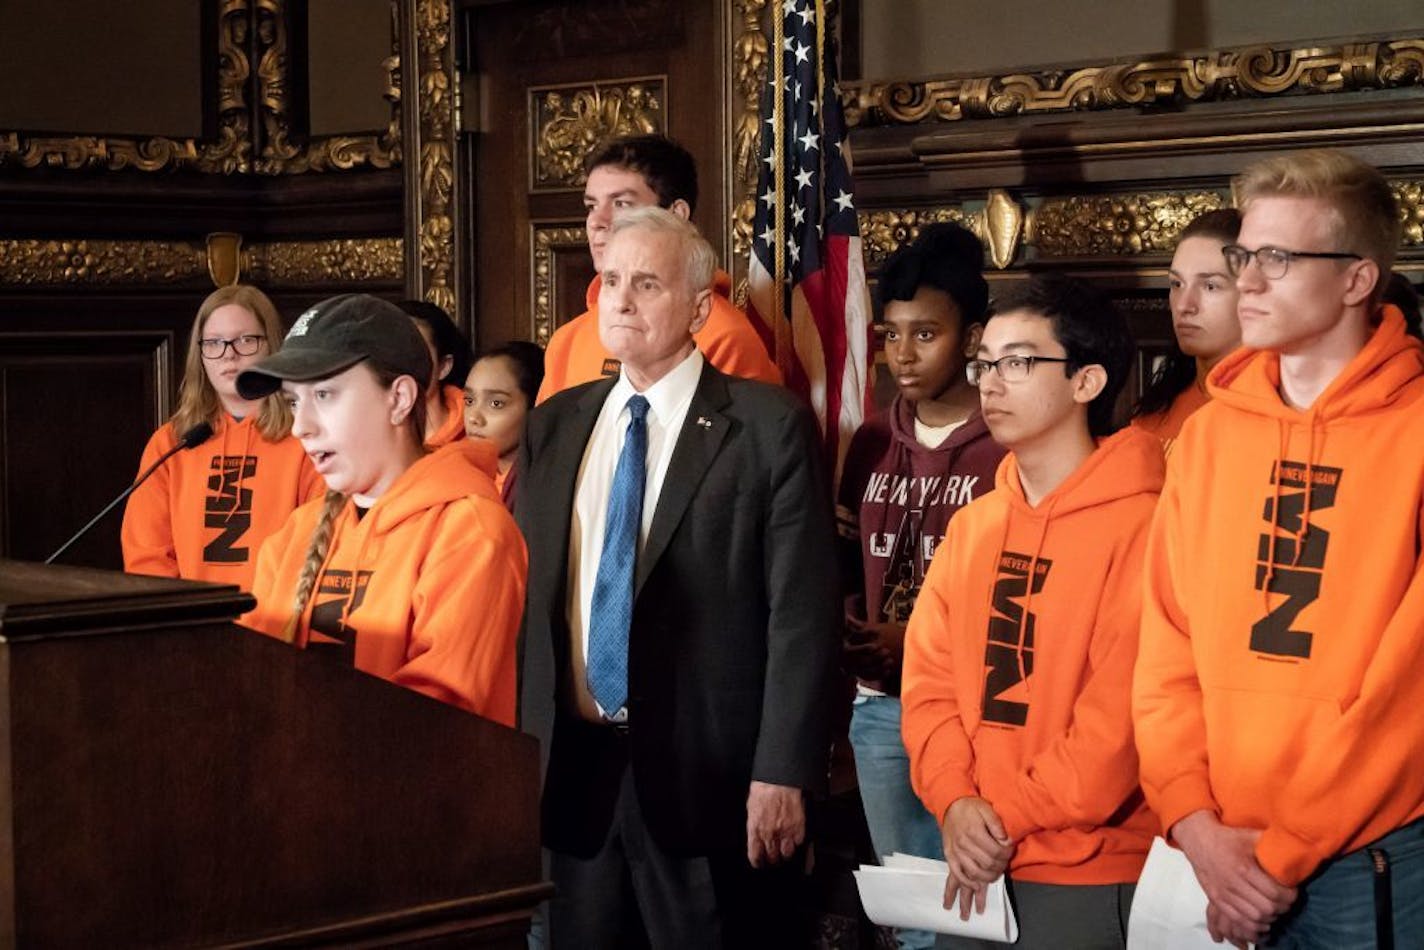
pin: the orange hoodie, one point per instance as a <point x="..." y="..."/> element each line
<point x="206" y="511"/>
<point x="1019" y="693"/>
<point x="575" y="353"/>
<point x="1279" y="678"/>
<point x="1167" y="424"/>
<point x="439" y="571"/>
<point x="454" y="428"/>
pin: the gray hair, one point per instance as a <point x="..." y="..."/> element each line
<point x="699" y="260"/>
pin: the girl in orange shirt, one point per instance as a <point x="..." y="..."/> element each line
<point x="501" y="389"/>
<point x="204" y="513"/>
<point x="1203" y="300"/>
<point x="410" y="569"/>
<point x="450" y="354"/>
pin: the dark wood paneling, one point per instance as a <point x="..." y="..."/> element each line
<point x="79" y="405"/>
<point x="518" y="45"/>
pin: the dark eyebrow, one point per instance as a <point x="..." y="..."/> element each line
<point x="1017" y="345"/>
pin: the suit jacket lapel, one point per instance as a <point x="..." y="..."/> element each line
<point x="701" y="437"/>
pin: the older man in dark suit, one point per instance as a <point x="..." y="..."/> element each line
<point x="681" y="627"/>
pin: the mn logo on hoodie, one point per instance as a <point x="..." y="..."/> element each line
<point x="1294" y="563"/>
<point x="329" y="633"/>
<point x="1008" y="656"/>
<point x="228" y="508"/>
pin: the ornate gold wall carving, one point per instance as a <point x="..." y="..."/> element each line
<point x="436" y="91"/>
<point x="569" y="122"/>
<point x="1115" y="225"/>
<point x="1410" y="195"/>
<point x="340" y="261"/>
<point x="999" y="224"/>
<point x="749" y="46"/>
<point x="27" y="262"/>
<point x="281" y="156"/>
<point x="230" y="152"/>
<point x="544" y="242"/>
<point x="1249" y="72"/>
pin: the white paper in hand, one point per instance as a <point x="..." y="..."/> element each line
<point x="1169" y="908"/>
<point x="908" y="892"/>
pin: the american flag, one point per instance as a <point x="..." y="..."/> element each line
<point x="806" y="286"/>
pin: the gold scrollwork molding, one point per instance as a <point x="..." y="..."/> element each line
<point x="1115" y="225"/>
<point x="568" y="122"/>
<point x="39" y="263"/>
<point x="1249" y="72"/>
<point x="279" y="154"/>
<point x="338" y="261"/>
<point x="430" y="185"/>
<point x="1410" y="195"/>
<point x="230" y="152"/>
<point x="749" y="49"/>
<point x="545" y="242"/>
<point x="999" y="224"/>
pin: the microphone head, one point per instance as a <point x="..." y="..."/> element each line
<point x="196" y="436"/>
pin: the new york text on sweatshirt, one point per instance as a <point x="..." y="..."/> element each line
<point x="897" y="496"/>
<point x="1278" y="683"/>
<point x="204" y="514"/>
<point x="426" y="589"/>
<point x="1018" y="662"/>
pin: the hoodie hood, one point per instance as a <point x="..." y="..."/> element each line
<point x="1378" y="375"/>
<point x="466" y="467"/>
<point x="721" y="286"/>
<point x="902" y="429"/>
<point x="1128" y="462"/>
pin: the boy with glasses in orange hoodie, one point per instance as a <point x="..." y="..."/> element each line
<point x="1019" y="653"/>
<point x="1277" y="697"/>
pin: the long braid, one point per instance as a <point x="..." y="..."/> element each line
<point x="316" y="554"/>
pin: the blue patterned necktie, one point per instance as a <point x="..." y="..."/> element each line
<point x="612" y="610"/>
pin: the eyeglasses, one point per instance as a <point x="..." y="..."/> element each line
<point x="1011" y="369"/>
<point x="1274" y="261"/>
<point x="245" y="345"/>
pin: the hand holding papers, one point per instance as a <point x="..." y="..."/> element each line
<point x="908" y="892"/>
<point x="1169" y="908"/>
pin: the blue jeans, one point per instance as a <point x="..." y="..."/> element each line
<point x="897" y="820"/>
<point x="1336" y="907"/>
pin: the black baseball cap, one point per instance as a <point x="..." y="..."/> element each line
<point x="334" y="336"/>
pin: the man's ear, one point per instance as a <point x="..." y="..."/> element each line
<point x="682" y="209"/>
<point x="702" y="309"/>
<point x="1088" y="382"/>
<point x="402" y="398"/>
<point x="1364" y="275"/>
<point x="972" y="335"/>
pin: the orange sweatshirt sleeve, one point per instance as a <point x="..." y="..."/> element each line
<point x="1085" y="775"/>
<point x="731" y="344"/>
<point x="556" y="359"/>
<point x="941" y="758"/>
<point x="467" y="605"/>
<point x="274" y="578"/>
<point x="1167" y="712"/>
<point x="147" y="532"/>
<point x="1360" y="778"/>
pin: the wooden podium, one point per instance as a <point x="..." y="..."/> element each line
<point x="170" y="779"/>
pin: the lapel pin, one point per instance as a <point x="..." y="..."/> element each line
<point x="704" y="422"/>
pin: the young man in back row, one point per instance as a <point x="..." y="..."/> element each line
<point x="1278" y="693"/>
<point x="628" y="173"/>
<point x="1019" y="652"/>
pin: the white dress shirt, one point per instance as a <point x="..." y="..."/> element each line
<point x="668" y="400"/>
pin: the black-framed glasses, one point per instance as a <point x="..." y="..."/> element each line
<point x="1011" y="369"/>
<point x="245" y="345"/>
<point x="1274" y="261"/>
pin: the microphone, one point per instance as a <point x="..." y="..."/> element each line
<point x="194" y="437"/>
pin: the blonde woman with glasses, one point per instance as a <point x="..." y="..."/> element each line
<point x="205" y="512"/>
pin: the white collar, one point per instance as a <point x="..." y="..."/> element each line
<point x="668" y="394"/>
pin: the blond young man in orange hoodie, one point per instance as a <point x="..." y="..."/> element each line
<point x="1019" y="652"/>
<point x="1278" y="696"/>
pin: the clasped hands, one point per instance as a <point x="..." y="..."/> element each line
<point x="1243" y="899"/>
<point x="977" y="850"/>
